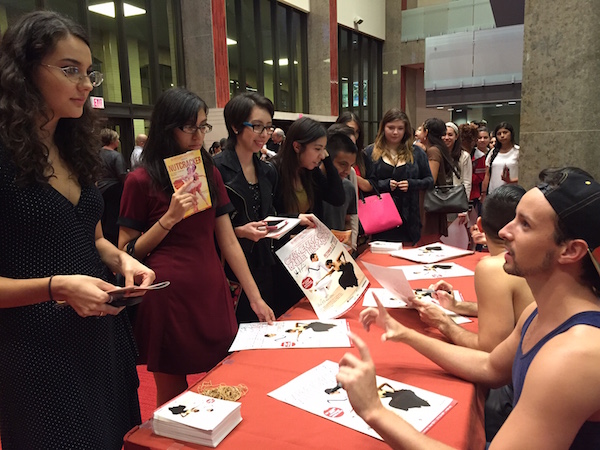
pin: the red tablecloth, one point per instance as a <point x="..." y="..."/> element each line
<point x="271" y="424"/>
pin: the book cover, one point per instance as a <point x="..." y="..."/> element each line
<point x="324" y="270"/>
<point x="197" y="418"/>
<point x="190" y="167"/>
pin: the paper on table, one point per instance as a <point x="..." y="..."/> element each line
<point x="431" y="253"/>
<point x="458" y="236"/>
<point x="292" y="334"/>
<point x="433" y="271"/>
<point x="393" y="280"/>
<point x="417" y="406"/>
<point x="389" y="301"/>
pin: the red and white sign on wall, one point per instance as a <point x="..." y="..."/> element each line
<point x="97" y="102"/>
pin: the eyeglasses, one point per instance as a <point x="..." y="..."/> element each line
<point x="73" y="74"/>
<point x="193" y="129"/>
<point x="258" y="129"/>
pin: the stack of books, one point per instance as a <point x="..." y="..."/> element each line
<point x="196" y="418"/>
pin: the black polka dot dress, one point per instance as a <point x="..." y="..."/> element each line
<point x="66" y="382"/>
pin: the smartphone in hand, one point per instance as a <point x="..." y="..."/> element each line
<point x="132" y="295"/>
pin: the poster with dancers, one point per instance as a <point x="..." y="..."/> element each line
<point x="324" y="270"/>
<point x="317" y="392"/>
<point x="292" y="334"/>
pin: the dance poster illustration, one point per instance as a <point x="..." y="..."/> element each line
<point x="431" y="253"/>
<point x="292" y="334"/>
<point x="189" y="167"/>
<point x="433" y="271"/>
<point x="324" y="270"/>
<point x="317" y="392"/>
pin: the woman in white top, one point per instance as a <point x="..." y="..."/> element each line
<point x="502" y="163"/>
<point x="461" y="159"/>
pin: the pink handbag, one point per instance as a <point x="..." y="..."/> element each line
<point x="378" y="213"/>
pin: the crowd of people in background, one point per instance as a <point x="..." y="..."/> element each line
<point x="78" y="216"/>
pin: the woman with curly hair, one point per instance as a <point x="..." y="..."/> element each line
<point x="68" y="372"/>
<point x="395" y="165"/>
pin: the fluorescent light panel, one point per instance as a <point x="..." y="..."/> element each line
<point x="108" y="9"/>
<point x="282" y="62"/>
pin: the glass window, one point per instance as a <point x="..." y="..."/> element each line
<point x="103" y="37"/>
<point x="138" y="52"/>
<point x="70" y="8"/>
<point x="284" y="101"/>
<point x="359" y="61"/>
<point x="271" y="57"/>
<point x="233" y="44"/>
<point x="267" y="49"/>
<point x="11" y="11"/>
<point x="249" y="47"/>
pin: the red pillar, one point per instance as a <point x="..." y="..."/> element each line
<point x="219" y="26"/>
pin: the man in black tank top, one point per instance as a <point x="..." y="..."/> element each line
<point x="552" y="355"/>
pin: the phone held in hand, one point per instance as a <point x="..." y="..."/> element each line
<point x="132" y="295"/>
<point x="273" y="225"/>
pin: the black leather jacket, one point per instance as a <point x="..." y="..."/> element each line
<point x="257" y="253"/>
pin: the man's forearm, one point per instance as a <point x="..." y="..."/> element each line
<point x="467" y="363"/>
<point x="398" y="434"/>
<point x="458" y="335"/>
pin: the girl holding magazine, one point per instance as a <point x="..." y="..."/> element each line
<point x="188" y="327"/>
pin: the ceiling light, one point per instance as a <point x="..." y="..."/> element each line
<point x="498" y="105"/>
<point x="450" y="109"/>
<point x="231" y="42"/>
<point x="108" y="9"/>
<point x="512" y="103"/>
<point x="282" y="62"/>
<point x="440" y="107"/>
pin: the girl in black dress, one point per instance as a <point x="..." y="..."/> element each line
<point x="68" y="372"/>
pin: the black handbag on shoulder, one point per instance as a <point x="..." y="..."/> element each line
<point x="446" y="199"/>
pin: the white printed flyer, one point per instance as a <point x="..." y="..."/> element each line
<point x="316" y="391"/>
<point x="324" y="270"/>
<point x="431" y="253"/>
<point x="292" y="334"/>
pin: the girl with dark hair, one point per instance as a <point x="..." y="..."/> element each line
<point x="215" y="148"/>
<point x="194" y="315"/>
<point x="436" y="224"/>
<point x="301" y="189"/>
<point x="395" y="165"/>
<point x="502" y="162"/>
<point x="250" y="184"/>
<point x="350" y="119"/>
<point x="302" y="184"/>
<point x="478" y="153"/>
<point x="459" y="145"/>
<point x="57" y="330"/>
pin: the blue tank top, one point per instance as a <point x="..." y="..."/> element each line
<point x="588" y="436"/>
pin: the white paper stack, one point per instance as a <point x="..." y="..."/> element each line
<point x="384" y="246"/>
<point x="196" y="418"/>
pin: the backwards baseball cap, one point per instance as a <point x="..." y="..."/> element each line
<point x="576" y="201"/>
